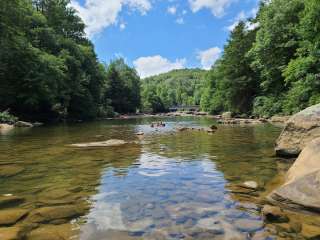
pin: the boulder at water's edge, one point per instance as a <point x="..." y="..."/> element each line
<point x="301" y="189"/>
<point x="300" y="129"/>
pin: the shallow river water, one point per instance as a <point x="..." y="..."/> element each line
<point x="163" y="185"/>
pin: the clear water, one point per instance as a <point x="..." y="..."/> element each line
<point x="164" y="185"/>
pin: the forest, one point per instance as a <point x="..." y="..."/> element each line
<point x="272" y="68"/>
<point x="49" y="70"/>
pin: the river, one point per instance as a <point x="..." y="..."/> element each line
<point x="163" y="185"/>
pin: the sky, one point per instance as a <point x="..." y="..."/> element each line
<point x="156" y="36"/>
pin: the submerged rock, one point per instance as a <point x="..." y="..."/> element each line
<point x="10" y="201"/>
<point x="300" y="129"/>
<point x="10" y="170"/>
<point x="302" y="186"/>
<point x="274" y="214"/>
<point x="212" y="224"/>
<point x="108" y="143"/>
<point x="50" y="214"/>
<point x="248" y="225"/>
<point x="12" y="233"/>
<point x="11" y="216"/>
<point x="53" y="232"/>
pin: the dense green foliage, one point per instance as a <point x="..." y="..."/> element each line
<point x="272" y="69"/>
<point x="6" y="117"/>
<point x="176" y="88"/>
<point x="48" y="68"/>
<point x="124" y="87"/>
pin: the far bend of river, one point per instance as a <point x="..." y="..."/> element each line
<point x="166" y="185"/>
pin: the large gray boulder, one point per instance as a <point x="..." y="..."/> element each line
<point x="300" y="129"/>
<point x="301" y="189"/>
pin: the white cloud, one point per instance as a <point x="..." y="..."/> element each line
<point x="99" y="14"/>
<point x="217" y="7"/>
<point x="243" y="16"/>
<point x="240" y="17"/>
<point x="251" y="26"/>
<point x="122" y="26"/>
<point x="153" y="65"/>
<point x="172" y="10"/>
<point x="209" y="57"/>
<point x="180" y="20"/>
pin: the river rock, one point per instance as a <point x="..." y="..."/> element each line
<point x="10" y="170"/>
<point x="108" y="143"/>
<point x="53" y="232"/>
<point x="226" y="115"/>
<point x="37" y="124"/>
<point x="279" y="119"/>
<point x="10" y="201"/>
<point x="300" y="129"/>
<point x="12" y="233"/>
<point x="250" y="184"/>
<point x="247" y="225"/>
<point x="310" y="231"/>
<point x="4" y="128"/>
<point x="213" y="127"/>
<point x="212" y="224"/>
<point x="23" y="124"/>
<point x="302" y="193"/>
<point x="50" y="214"/>
<point x="302" y="186"/>
<point x="307" y="162"/>
<point x="274" y="214"/>
<point x="11" y="216"/>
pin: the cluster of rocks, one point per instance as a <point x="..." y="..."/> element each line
<point x="210" y="129"/>
<point x="301" y="188"/>
<point x="185" y="114"/>
<point x="49" y="220"/>
<point x="242" y="121"/>
<point x="4" y="127"/>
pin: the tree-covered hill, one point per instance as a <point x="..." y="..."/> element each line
<point x="177" y="87"/>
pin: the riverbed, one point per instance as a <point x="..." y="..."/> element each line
<point x="165" y="184"/>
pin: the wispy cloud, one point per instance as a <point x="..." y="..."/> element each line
<point x="208" y="57"/>
<point x="153" y="65"/>
<point x="100" y="14"/>
<point x="217" y="7"/>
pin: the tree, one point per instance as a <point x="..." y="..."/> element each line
<point x="124" y="87"/>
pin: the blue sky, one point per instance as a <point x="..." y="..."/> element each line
<point x="156" y="36"/>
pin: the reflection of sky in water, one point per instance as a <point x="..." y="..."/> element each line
<point x="157" y="193"/>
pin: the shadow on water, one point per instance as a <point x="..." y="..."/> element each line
<point x="171" y="185"/>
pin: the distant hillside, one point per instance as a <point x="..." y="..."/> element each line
<point x="177" y="87"/>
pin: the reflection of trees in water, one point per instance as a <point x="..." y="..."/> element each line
<point x="241" y="153"/>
